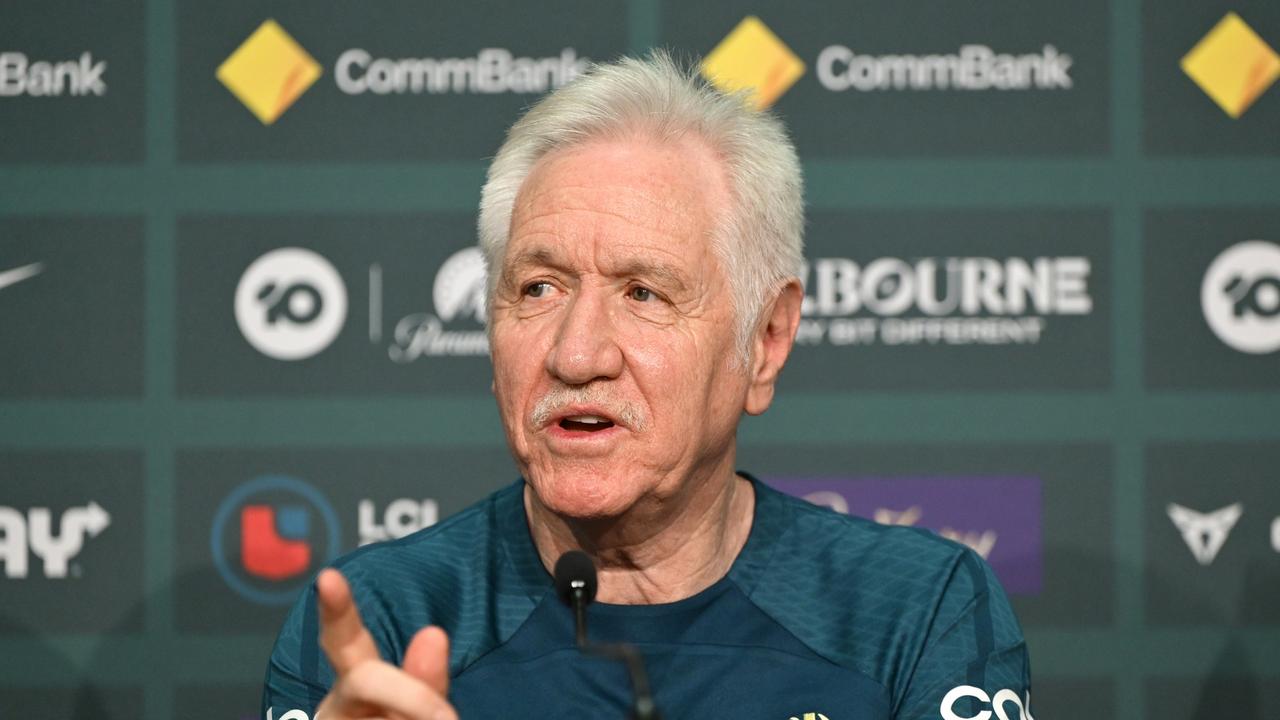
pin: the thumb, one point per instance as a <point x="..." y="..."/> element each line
<point x="343" y="636"/>
<point x="428" y="658"/>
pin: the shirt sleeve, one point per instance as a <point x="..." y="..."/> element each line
<point x="974" y="662"/>
<point x="298" y="675"/>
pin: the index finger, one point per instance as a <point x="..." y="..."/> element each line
<point x="343" y="636"/>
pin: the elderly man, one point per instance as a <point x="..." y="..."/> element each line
<point x="643" y="236"/>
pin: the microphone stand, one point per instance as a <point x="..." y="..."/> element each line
<point x="643" y="706"/>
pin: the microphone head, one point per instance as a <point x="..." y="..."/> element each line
<point x="574" y="569"/>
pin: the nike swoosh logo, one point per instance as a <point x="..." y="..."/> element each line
<point x="18" y="274"/>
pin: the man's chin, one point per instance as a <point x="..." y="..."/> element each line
<point x="585" y="498"/>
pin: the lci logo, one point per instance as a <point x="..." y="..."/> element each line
<point x="999" y="517"/>
<point x="270" y="535"/>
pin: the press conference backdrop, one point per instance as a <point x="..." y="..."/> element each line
<point x="241" y="317"/>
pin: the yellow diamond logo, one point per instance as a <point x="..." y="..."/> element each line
<point x="269" y="71"/>
<point x="1232" y="65"/>
<point x="752" y="58"/>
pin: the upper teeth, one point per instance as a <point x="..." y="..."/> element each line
<point x="589" y="419"/>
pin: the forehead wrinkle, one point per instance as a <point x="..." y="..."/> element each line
<point x="650" y="207"/>
<point x="651" y="219"/>
<point x="543" y="235"/>
<point x="555" y="217"/>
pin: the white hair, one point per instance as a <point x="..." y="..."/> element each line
<point x="760" y="242"/>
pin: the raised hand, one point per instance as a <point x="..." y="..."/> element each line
<point x="366" y="686"/>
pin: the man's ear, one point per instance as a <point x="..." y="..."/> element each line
<point x="771" y="344"/>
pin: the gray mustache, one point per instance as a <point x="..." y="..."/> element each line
<point x="557" y="400"/>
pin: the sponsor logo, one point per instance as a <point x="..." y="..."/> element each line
<point x="21" y="76"/>
<point x="270" y="535"/>
<point x="490" y="72"/>
<point x="34" y="534"/>
<point x="997" y="704"/>
<point x="289" y="715"/>
<point x="809" y="716"/>
<point x="269" y="72"/>
<point x="290" y="303"/>
<point x="940" y="300"/>
<point x="754" y="60"/>
<point x="18" y="274"/>
<point x="267" y="545"/>
<point x="980" y="541"/>
<point x="1240" y="297"/>
<point x="973" y="68"/>
<point x="1204" y="533"/>
<point x="401" y="517"/>
<point x="458" y="295"/>
<point x="56" y="281"/>
<point x="1232" y="65"/>
<point x="998" y="517"/>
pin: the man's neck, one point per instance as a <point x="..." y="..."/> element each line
<point x="653" y="554"/>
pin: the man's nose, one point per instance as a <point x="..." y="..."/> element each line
<point x="586" y="347"/>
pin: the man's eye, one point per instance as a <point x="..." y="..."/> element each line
<point x="537" y="289"/>
<point x="640" y="294"/>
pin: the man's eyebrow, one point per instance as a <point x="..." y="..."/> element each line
<point x="535" y="257"/>
<point x="542" y="257"/>
<point x="665" y="275"/>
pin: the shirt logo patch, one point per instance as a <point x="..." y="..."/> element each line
<point x="996" y="704"/>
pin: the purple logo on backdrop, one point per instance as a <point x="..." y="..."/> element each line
<point x="999" y="517"/>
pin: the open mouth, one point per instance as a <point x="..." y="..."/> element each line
<point x="586" y="423"/>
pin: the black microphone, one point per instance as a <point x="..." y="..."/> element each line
<point x="576" y="584"/>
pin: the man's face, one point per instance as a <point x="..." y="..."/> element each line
<point x="613" y="327"/>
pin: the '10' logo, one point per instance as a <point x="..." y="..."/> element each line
<point x="1240" y="297"/>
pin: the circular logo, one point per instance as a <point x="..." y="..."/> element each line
<point x="290" y="303"/>
<point x="1240" y="296"/>
<point x="270" y="535"/>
